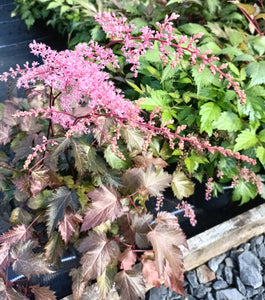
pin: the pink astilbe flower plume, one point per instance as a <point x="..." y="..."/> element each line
<point x="76" y="78"/>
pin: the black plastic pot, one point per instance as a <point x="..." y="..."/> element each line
<point x="215" y="203"/>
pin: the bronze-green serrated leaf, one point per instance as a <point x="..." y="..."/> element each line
<point x="27" y="262"/>
<point x="78" y="286"/>
<point x="54" y="248"/>
<point x="105" y="206"/>
<point x="99" y="252"/>
<point x="60" y="200"/>
<point x="130" y="285"/>
<point x="166" y="238"/>
<point x="106" y="280"/>
<point x="20" y="216"/>
<point x="42" y="292"/>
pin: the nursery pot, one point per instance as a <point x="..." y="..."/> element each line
<point x="220" y="202"/>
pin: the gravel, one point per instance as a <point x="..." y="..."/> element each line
<point x="239" y="275"/>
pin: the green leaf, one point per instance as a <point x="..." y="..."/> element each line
<point x="260" y="152"/>
<point x="135" y="87"/>
<point x="40" y="201"/>
<point x="258" y="43"/>
<point x="193" y="28"/>
<point x="114" y="161"/>
<point x="244" y="191"/>
<point x="228" y="166"/>
<point x="228" y="121"/>
<point x="173" y="1"/>
<point x="255" y="105"/>
<point x="244" y="57"/>
<point x="209" y="112"/>
<point x="235" y="37"/>
<point x="154" y="72"/>
<point x="181" y="185"/>
<point x="54" y="248"/>
<point x="190" y="164"/>
<point x="84" y="155"/>
<point x="261" y="135"/>
<point x="106" y="280"/>
<point x="53" y="5"/>
<point x="60" y="200"/>
<point x="20" y="216"/>
<point x="233" y="68"/>
<point x="246" y="139"/>
<point x="138" y="23"/>
<point x="158" y="98"/>
<point x="213" y="5"/>
<point x="256" y="70"/>
<point x="204" y="78"/>
<point x="168" y="72"/>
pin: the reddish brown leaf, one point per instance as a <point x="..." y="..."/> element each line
<point x="5" y="136"/>
<point x="135" y="228"/>
<point x="143" y="161"/>
<point x="127" y="259"/>
<point x="28" y="263"/>
<point x="149" y="269"/>
<point x="15" y="235"/>
<point x="155" y="181"/>
<point x="151" y="182"/>
<point x="98" y="253"/>
<point x="29" y="124"/>
<point x="130" y="285"/>
<point x="69" y="225"/>
<point x="105" y="206"/>
<point x="42" y="292"/>
<point x="4" y="256"/>
<point x="166" y="239"/>
<point x="78" y="286"/>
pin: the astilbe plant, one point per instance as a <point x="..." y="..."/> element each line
<point x="80" y="159"/>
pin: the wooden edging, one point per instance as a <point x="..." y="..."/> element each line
<point x="224" y="237"/>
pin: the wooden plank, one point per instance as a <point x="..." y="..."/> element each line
<point x="223" y="237"/>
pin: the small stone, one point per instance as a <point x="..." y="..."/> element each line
<point x="209" y="296"/>
<point x="219" y="272"/>
<point x="252" y="292"/>
<point x="216" y="261"/>
<point x="204" y="274"/>
<point x="240" y="286"/>
<point x="192" y="278"/>
<point x="246" y="246"/>
<point x="261" y="251"/>
<point x="257" y="240"/>
<point x="228" y="275"/>
<point x="229" y="262"/>
<point x="190" y="297"/>
<point x="250" y="269"/>
<point x="235" y="253"/>
<point x="220" y="284"/>
<point x="229" y="294"/>
<point x="201" y="291"/>
<point x="158" y="293"/>
<point x="258" y="297"/>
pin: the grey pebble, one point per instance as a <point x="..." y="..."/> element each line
<point x="250" y="269"/>
<point x="214" y="263"/>
<point x="220" y="284"/>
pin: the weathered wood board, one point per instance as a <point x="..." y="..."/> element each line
<point x="224" y="236"/>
